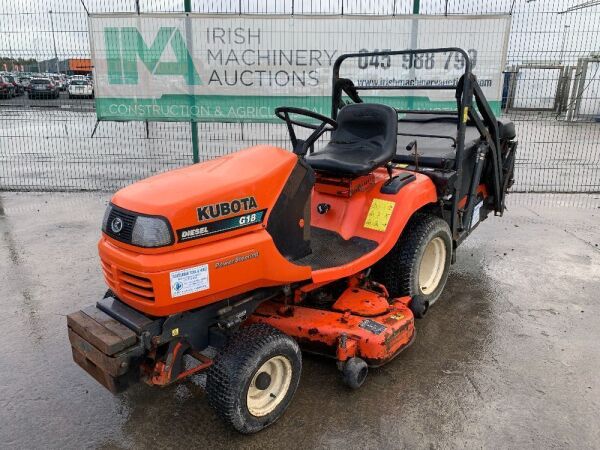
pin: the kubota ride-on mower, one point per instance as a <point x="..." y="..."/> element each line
<point x="234" y="265"/>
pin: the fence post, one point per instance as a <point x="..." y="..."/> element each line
<point x="414" y="30"/>
<point x="187" y="5"/>
<point x="416" y="6"/>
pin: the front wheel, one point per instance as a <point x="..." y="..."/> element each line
<point x="254" y="377"/>
<point x="418" y="264"/>
<point x="354" y="372"/>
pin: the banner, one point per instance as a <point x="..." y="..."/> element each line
<point x="226" y="68"/>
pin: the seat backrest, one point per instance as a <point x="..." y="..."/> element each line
<point x="368" y="123"/>
<point x="365" y="138"/>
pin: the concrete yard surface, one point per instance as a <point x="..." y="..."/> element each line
<point x="509" y="357"/>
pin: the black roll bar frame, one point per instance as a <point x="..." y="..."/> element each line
<point x="471" y="105"/>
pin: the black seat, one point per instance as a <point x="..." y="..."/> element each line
<point x="364" y="140"/>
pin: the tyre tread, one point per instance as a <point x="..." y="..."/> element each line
<point x="395" y="270"/>
<point x="226" y="374"/>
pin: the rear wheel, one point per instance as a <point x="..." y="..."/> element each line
<point x="254" y="377"/>
<point x="418" y="264"/>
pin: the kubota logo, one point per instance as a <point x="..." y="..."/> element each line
<point x="125" y="45"/>
<point x="116" y="225"/>
<point x="224" y="209"/>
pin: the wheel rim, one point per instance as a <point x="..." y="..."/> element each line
<point x="432" y="266"/>
<point x="269" y="386"/>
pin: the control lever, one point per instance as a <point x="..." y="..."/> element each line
<point x="390" y="172"/>
<point x="413" y="146"/>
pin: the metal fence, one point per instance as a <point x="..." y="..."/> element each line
<point x="551" y="92"/>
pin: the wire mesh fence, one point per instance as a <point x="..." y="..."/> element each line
<point x="551" y="91"/>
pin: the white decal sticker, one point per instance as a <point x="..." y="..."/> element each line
<point x="188" y="281"/>
<point x="476" y="214"/>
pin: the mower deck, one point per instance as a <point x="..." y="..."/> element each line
<point x="344" y="335"/>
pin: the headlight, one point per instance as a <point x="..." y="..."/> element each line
<point x="151" y="232"/>
<point x="105" y="218"/>
<point x="131" y="228"/>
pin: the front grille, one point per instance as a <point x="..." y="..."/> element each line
<point x="128" y="220"/>
<point x="127" y="285"/>
<point x="136" y="287"/>
<point x="108" y="275"/>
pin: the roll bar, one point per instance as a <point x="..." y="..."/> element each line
<point x="471" y="105"/>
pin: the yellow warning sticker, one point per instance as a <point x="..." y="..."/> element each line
<point x="379" y="214"/>
<point x="466" y="114"/>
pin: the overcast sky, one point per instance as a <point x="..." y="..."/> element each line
<point x="538" y="32"/>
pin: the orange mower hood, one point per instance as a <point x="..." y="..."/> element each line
<point x="253" y="177"/>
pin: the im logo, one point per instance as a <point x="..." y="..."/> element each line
<point x="125" y="45"/>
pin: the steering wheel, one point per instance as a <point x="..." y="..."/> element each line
<point x="302" y="146"/>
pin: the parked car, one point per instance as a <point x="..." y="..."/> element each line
<point x="25" y="82"/>
<point x="43" y="87"/>
<point x="7" y="89"/>
<point x="59" y="82"/>
<point x="81" y="88"/>
<point x="77" y="77"/>
<point x="19" y="89"/>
